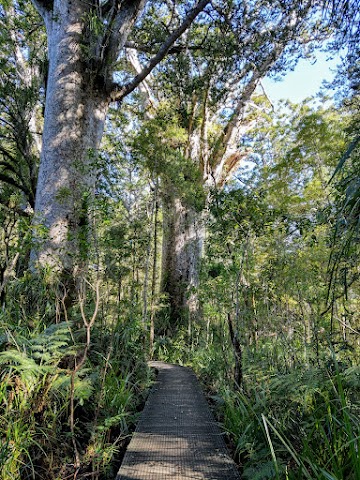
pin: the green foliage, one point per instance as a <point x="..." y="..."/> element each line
<point x="40" y="346"/>
<point x="296" y="415"/>
<point x="346" y="232"/>
<point x="162" y="145"/>
<point x="19" y="101"/>
<point x="311" y="424"/>
<point x="31" y="396"/>
<point x="70" y="395"/>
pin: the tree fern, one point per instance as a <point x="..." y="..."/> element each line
<point x="18" y="363"/>
<point x="51" y="345"/>
<point x="83" y="387"/>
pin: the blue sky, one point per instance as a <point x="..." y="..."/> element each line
<point x="303" y="82"/>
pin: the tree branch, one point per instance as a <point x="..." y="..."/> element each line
<point x="228" y="167"/>
<point x="10" y="181"/>
<point x="107" y="7"/>
<point x="118" y="94"/>
<point x="119" y="27"/>
<point x="151" y="49"/>
<point x="44" y="7"/>
<point x="219" y="152"/>
<point x="10" y="157"/>
<point x="144" y="86"/>
<point x="266" y="95"/>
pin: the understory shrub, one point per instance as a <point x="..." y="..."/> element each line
<point x="52" y="414"/>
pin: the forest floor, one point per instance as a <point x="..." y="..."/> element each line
<point x="177" y="437"/>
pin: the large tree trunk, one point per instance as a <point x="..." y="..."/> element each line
<point x="85" y="39"/>
<point x="75" y="113"/>
<point x="183" y="236"/>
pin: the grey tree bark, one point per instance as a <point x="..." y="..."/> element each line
<point x="212" y="100"/>
<point x="77" y="100"/>
<point x="217" y="160"/>
<point x="183" y="239"/>
<point x="84" y="42"/>
<point x="184" y="227"/>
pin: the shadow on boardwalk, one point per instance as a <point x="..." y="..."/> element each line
<point x="177" y="437"/>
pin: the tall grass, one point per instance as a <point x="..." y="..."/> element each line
<point x="293" y="423"/>
<point x="305" y="423"/>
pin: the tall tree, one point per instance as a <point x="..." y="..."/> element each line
<point x="208" y="83"/>
<point x="345" y="15"/>
<point x="85" y="40"/>
<point x="21" y="58"/>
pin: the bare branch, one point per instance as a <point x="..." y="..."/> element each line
<point x="266" y="95"/>
<point x="231" y="164"/>
<point x="78" y="365"/>
<point x="119" y="93"/>
<point x="348" y="326"/>
<point x="120" y="26"/>
<point x="219" y="152"/>
<point x="219" y="156"/>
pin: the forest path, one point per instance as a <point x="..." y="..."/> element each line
<point x="177" y="437"/>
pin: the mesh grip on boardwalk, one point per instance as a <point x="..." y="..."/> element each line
<point x="177" y="437"/>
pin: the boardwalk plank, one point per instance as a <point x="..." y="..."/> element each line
<point x="177" y="437"/>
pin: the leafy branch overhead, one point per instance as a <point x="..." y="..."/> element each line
<point x="214" y="72"/>
<point x="108" y="25"/>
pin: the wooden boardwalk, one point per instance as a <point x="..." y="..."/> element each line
<point x="177" y="437"/>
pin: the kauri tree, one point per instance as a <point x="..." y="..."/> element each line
<point x="85" y="41"/>
<point x="207" y="84"/>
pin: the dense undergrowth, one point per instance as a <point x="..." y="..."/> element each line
<point x="284" y="422"/>
<point x="66" y="410"/>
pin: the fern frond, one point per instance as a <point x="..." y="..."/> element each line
<point x="50" y="346"/>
